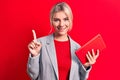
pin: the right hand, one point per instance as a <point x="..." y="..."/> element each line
<point x="34" y="46"/>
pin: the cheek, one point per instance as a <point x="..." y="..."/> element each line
<point x="68" y="24"/>
<point x="54" y="24"/>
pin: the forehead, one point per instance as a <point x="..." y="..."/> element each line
<point x="60" y="14"/>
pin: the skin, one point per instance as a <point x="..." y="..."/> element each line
<point x="61" y="26"/>
<point x="34" y="46"/>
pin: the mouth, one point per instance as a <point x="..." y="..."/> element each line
<point x="61" y="29"/>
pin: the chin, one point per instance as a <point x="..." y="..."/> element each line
<point x="62" y="33"/>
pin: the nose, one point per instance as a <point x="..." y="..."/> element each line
<point x="62" y="23"/>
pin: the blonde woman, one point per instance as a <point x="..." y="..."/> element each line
<point x="53" y="57"/>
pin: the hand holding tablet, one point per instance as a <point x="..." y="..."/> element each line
<point x="94" y="46"/>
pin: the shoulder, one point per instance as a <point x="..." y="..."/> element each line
<point x="74" y="43"/>
<point x="45" y="38"/>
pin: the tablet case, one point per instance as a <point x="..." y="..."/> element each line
<point x="95" y="43"/>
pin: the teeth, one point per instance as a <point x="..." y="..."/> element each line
<point x="61" y="28"/>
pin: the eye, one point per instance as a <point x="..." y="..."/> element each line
<point x="66" y="19"/>
<point x="56" y="19"/>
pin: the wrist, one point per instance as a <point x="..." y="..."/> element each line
<point x="34" y="55"/>
<point x="86" y="66"/>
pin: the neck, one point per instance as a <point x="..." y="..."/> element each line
<point x="60" y="37"/>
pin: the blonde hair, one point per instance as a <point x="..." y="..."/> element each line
<point x="62" y="6"/>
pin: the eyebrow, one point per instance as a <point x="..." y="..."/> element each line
<point x="63" y="18"/>
<point x="66" y="18"/>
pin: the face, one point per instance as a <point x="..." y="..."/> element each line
<point x="61" y="23"/>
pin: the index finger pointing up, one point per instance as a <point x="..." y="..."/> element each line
<point x="34" y="35"/>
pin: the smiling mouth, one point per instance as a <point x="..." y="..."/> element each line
<point x="61" y="28"/>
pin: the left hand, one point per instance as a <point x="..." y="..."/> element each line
<point x="91" y="57"/>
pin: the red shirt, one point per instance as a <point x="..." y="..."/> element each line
<point x="63" y="58"/>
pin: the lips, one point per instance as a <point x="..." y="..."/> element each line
<point x="61" y="28"/>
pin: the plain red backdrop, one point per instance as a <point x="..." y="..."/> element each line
<point x="19" y="17"/>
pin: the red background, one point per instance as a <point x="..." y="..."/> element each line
<point x="19" y="17"/>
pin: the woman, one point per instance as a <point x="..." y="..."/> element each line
<point x="53" y="57"/>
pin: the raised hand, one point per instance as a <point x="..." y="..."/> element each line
<point x="92" y="57"/>
<point x="34" y="46"/>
